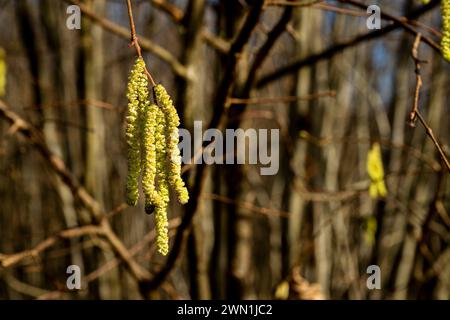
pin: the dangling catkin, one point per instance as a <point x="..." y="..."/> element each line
<point x="161" y="222"/>
<point x="149" y="159"/>
<point x="172" y="140"/>
<point x="152" y="139"/>
<point x="136" y="91"/>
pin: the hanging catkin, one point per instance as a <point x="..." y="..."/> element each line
<point x="172" y="138"/>
<point x="136" y="91"/>
<point x="149" y="159"/>
<point x="161" y="222"/>
<point x="445" y="42"/>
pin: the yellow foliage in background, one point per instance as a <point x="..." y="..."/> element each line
<point x="376" y="172"/>
<point x="3" y="70"/>
<point x="371" y="230"/>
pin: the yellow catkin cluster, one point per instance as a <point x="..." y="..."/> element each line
<point x="152" y="138"/>
<point x="445" y="42"/>
<point x="172" y="137"/>
<point x="376" y="172"/>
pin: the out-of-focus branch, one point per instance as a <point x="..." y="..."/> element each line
<point x="9" y="260"/>
<point x="246" y="205"/>
<point x="430" y="133"/>
<point x="415" y="113"/>
<point x="178" y="16"/>
<point x="284" y="3"/>
<point x="285" y="99"/>
<point x="145" y="43"/>
<point x="341" y="46"/>
<point x="417" y="62"/>
<point x="404" y="22"/>
<point x="55" y="162"/>
<point x="78" y="191"/>
<point x="135" y="41"/>
<point x="173" y="11"/>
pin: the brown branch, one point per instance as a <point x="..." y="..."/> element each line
<point x="246" y="205"/>
<point x="415" y="108"/>
<point x="134" y="250"/>
<point x="173" y="11"/>
<point x="430" y="133"/>
<point x="78" y="191"/>
<point x="179" y="17"/>
<point x="135" y="42"/>
<point x="404" y="22"/>
<point x="9" y="260"/>
<point x="144" y="43"/>
<point x="283" y="3"/>
<point x="285" y="99"/>
<point x="341" y="46"/>
<point x="415" y="113"/>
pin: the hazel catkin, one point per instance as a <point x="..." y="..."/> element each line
<point x="137" y="84"/>
<point x="150" y="112"/>
<point x="172" y="139"/>
<point x="161" y="221"/>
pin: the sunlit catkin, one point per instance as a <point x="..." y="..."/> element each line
<point x="445" y="42"/>
<point x="149" y="123"/>
<point x="137" y="84"/>
<point x="376" y="172"/>
<point x="152" y="138"/>
<point x="161" y="222"/>
<point x="172" y="140"/>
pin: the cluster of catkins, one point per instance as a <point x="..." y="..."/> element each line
<point x="153" y="154"/>
<point x="445" y="42"/>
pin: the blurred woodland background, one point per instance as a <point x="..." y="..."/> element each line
<point x="310" y="68"/>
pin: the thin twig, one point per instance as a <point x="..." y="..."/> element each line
<point x="135" y="41"/>
<point x="419" y="83"/>
<point x="9" y="260"/>
<point x="246" y="205"/>
<point x="415" y="113"/>
<point x="430" y="133"/>
<point x="341" y="46"/>
<point x="285" y="99"/>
